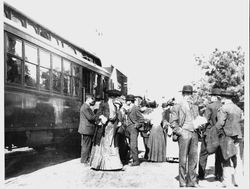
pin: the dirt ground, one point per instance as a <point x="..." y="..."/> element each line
<point x="72" y="174"/>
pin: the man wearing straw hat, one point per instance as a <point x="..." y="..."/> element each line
<point x="183" y="115"/>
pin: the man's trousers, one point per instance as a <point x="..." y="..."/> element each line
<point x="203" y="161"/>
<point x="86" y="143"/>
<point x="188" y="153"/>
<point x="133" y="142"/>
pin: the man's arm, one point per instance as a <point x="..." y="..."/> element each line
<point x="208" y="113"/>
<point x="221" y="116"/>
<point x="89" y="114"/>
<point x="174" y="119"/>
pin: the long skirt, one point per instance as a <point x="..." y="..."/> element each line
<point x="106" y="156"/>
<point x="157" y="145"/>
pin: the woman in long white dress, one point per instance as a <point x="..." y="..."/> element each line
<point x="105" y="152"/>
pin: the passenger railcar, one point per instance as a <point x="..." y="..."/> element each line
<point x="46" y="80"/>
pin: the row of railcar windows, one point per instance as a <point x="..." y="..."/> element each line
<point x="36" y="29"/>
<point x="40" y="68"/>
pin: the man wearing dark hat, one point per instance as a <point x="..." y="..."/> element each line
<point x="229" y="117"/>
<point x="134" y="121"/>
<point x="183" y="115"/>
<point x="86" y="128"/>
<point x="211" y="116"/>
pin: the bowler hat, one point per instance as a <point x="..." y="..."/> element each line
<point x="130" y="97"/>
<point x="188" y="88"/>
<point x="215" y="91"/>
<point x="113" y="93"/>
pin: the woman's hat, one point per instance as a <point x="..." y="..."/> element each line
<point x="188" y="88"/>
<point x="113" y="93"/>
<point x="130" y="97"/>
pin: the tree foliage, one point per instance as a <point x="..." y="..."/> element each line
<point x="223" y="69"/>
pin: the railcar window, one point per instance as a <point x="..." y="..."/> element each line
<point x="66" y="77"/>
<point x="86" y="80"/>
<point x="14" y="70"/>
<point x="75" y="80"/>
<point x="14" y="46"/>
<point x="30" y="53"/>
<point x="44" y="59"/>
<point x="30" y="74"/>
<point x="56" y="73"/>
<point x="44" y="78"/>
<point x="66" y="88"/>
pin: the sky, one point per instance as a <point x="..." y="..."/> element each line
<point x="152" y="42"/>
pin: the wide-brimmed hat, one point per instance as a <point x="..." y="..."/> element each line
<point x="188" y="88"/>
<point x="113" y="93"/>
<point x="228" y="93"/>
<point x="130" y="97"/>
<point x="215" y="91"/>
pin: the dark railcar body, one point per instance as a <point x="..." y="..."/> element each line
<point x="36" y="114"/>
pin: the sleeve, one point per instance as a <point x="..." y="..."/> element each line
<point x="221" y="116"/>
<point x="140" y="118"/>
<point x="208" y="113"/>
<point x="174" y="118"/>
<point x="89" y="114"/>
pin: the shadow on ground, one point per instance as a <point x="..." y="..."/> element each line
<point x="24" y="162"/>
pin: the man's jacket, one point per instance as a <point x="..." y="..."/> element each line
<point x="211" y="114"/>
<point x="229" y="118"/>
<point x="178" y="116"/>
<point x="135" y="117"/>
<point x="87" y="120"/>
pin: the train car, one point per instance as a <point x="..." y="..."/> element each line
<point x="46" y="80"/>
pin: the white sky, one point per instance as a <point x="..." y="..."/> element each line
<point x="152" y="42"/>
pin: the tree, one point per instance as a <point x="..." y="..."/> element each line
<point x="223" y="69"/>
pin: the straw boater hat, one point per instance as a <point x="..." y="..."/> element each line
<point x="188" y="88"/>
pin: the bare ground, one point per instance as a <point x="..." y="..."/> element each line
<point x="72" y="174"/>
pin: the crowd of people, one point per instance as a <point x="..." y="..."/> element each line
<point x="110" y="128"/>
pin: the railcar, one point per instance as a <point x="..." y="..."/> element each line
<point x="46" y="80"/>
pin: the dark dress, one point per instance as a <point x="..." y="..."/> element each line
<point x="157" y="138"/>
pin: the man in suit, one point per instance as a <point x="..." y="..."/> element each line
<point x="228" y="124"/>
<point x="183" y="115"/>
<point x="211" y="116"/>
<point x="135" y="120"/>
<point x="86" y="128"/>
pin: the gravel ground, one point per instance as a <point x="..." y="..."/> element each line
<point x="72" y="174"/>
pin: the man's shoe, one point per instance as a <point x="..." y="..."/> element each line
<point x="135" y="164"/>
